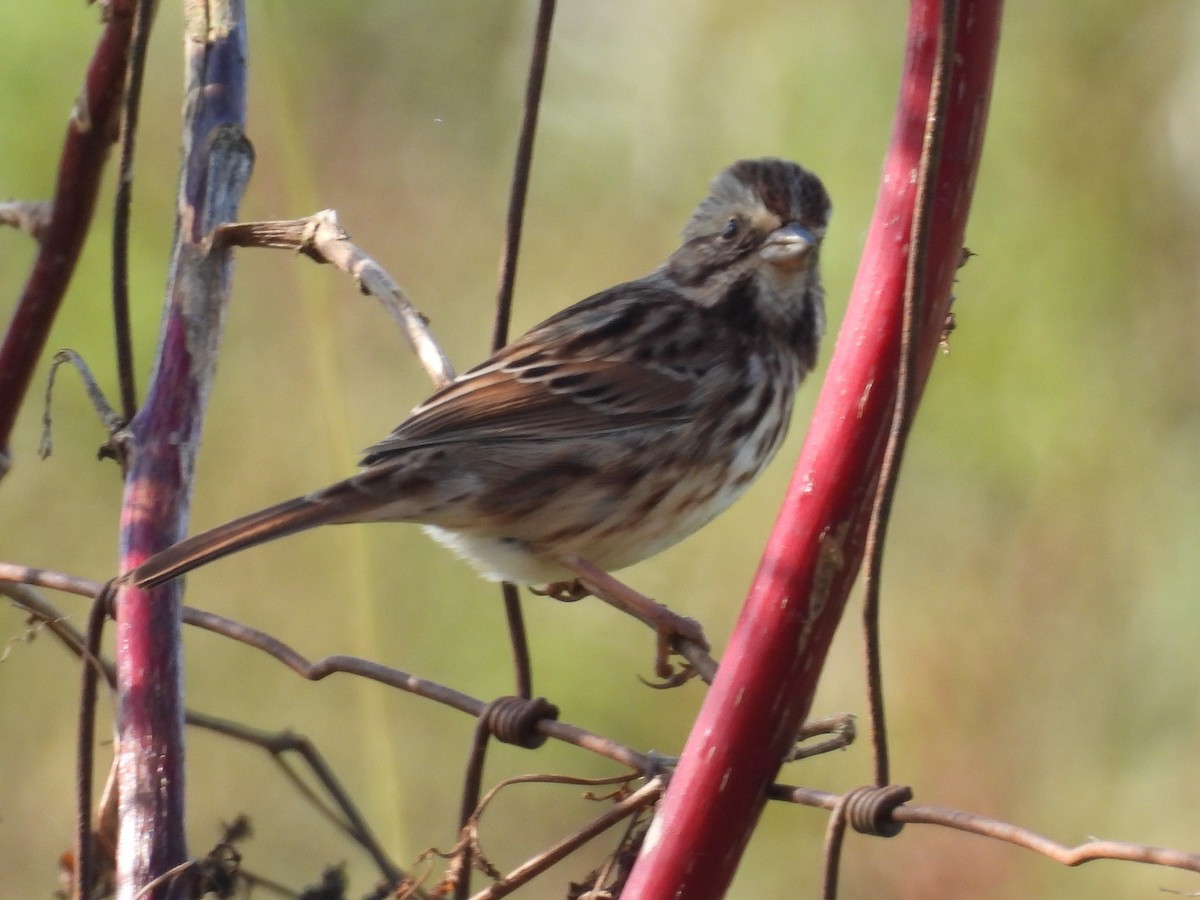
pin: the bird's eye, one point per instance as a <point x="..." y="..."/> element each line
<point x="729" y="232"/>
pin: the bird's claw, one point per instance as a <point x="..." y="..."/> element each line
<point x="671" y="634"/>
<point x="673" y="678"/>
<point x="562" y="591"/>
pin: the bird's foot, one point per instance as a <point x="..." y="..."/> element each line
<point x="563" y="591"/>
<point x="674" y="633"/>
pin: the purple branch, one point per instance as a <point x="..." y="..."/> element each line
<point x="166" y="433"/>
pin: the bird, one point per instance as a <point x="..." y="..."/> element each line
<point x="613" y="429"/>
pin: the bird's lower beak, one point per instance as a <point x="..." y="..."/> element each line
<point x="788" y="246"/>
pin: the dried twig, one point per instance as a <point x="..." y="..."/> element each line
<point x="143" y="19"/>
<point x="346" y="817"/>
<point x="1005" y="831"/>
<point x="113" y="421"/>
<point x="351" y="665"/>
<point x="15" y="581"/>
<point x="842" y="728"/>
<point x="643" y="797"/>
<point x="321" y="238"/>
<point x="520" y="178"/>
<point x="278" y="744"/>
<point x="29" y="216"/>
<point x="510" y="596"/>
<point x="915" y="288"/>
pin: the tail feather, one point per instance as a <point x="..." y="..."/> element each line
<point x="259" y="527"/>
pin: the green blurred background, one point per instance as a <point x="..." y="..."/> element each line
<point x="1041" y="622"/>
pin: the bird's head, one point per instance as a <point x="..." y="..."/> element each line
<point x="751" y="249"/>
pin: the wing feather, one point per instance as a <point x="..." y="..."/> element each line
<point x="589" y="369"/>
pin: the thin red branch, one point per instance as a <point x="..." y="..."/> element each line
<point x="764" y="687"/>
<point x="91" y="131"/>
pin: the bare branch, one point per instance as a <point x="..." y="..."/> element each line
<point x="15" y="581"/>
<point x="90" y="133"/>
<point x="643" y="797"/>
<point x="113" y="422"/>
<point x="29" y="216"/>
<point x="350" y="821"/>
<point x="277" y="743"/>
<point x="321" y="238"/>
<point x="351" y="665"/>
<point x="1004" y="831"/>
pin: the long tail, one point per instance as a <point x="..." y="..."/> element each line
<point x="259" y="527"/>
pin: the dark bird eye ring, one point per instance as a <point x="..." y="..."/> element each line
<point x="731" y="229"/>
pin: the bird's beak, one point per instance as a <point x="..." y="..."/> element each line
<point x="788" y="246"/>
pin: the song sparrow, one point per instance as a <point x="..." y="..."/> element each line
<point x="613" y="429"/>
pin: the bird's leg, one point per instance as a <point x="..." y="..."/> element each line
<point x="670" y="627"/>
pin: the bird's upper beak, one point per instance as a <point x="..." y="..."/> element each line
<point x="788" y="246"/>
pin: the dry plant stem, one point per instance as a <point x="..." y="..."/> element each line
<point x="166" y="879"/>
<point x="520" y="180"/>
<point x="522" y="669"/>
<point x="15" y="581"/>
<point x="29" y="216"/>
<point x="413" y="684"/>
<point x="91" y="130"/>
<point x="269" y="886"/>
<point x="85" y="862"/>
<point x="95" y="844"/>
<point x="1004" y="831"/>
<point x="351" y="665"/>
<point x="640" y="799"/>
<point x="322" y="239"/>
<point x="113" y="422"/>
<point x="217" y="160"/>
<point x="843" y="731"/>
<point x="511" y="597"/>
<point x="764" y="688"/>
<point x="831" y="850"/>
<point x="472" y="782"/>
<point x="699" y="660"/>
<point x="905" y="408"/>
<point x="512" y="720"/>
<point x="42" y="611"/>
<point x="469" y="832"/>
<point x="346" y="817"/>
<point x="142" y="22"/>
<point x="46" y="578"/>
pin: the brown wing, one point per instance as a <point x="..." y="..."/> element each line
<point x="616" y="360"/>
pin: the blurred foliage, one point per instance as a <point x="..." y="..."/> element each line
<point x="1041" y="613"/>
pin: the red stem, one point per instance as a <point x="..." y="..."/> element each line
<point x="90" y="133"/>
<point x="768" y="675"/>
